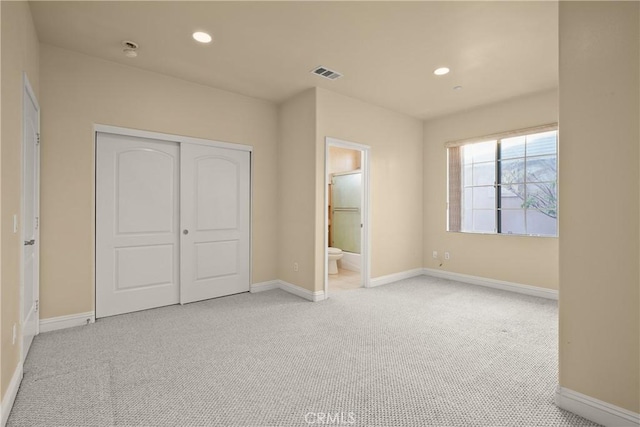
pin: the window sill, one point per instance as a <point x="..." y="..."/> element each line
<point x="477" y="233"/>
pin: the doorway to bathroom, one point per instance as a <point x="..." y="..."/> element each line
<point x="347" y="248"/>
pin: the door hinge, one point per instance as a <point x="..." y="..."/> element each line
<point x="37" y="222"/>
<point x="37" y="305"/>
<point x="38" y="138"/>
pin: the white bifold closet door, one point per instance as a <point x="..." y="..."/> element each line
<point x="172" y="223"/>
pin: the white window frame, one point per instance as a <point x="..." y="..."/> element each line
<point x="498" y="137"/>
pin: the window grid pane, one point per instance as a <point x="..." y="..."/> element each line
<point x="478" y="195"/>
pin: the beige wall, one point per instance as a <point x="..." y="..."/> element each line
<point x="599" y="203"/>
<point x="526" y="260"/>
<point x="79" y="91"/>
<point x="19" y="53"/>
<point x="296" y="190"/>
<point x="396" y="179"/>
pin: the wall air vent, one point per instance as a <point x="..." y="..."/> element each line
<point x="326" y="73"/>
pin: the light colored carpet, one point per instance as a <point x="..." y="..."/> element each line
<point x="420" y="352"/>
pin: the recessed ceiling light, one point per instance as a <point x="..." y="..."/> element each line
<point x="441" y="71"/>
<point x="457" y="88"/>
<point x="202" y="37"/>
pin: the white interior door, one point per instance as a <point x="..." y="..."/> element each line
<point x="137" y="224"/>
<point x="215" y="193"/>
<point x="30" y="214"/>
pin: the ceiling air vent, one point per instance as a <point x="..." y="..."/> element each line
<point x="326" y="73"/>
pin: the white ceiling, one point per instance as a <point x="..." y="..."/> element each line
<point x="387" y="51"/>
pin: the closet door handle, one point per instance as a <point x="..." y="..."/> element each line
<point x="185" y="231"/>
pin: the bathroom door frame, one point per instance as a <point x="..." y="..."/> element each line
<point x="365" y="236"/>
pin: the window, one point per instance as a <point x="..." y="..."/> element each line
<point x="505" y="184"/>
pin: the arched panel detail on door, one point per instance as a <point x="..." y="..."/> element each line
<point x="144" y="192"/>
<point x="217" y="204"/>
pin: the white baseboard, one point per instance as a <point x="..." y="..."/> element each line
<point x="349" y="266"/>
<point x="301" y="292"/>
<point x="63" y="322"/>
<point x="10" y="395"/>
<point x="288" y="287"/>
<point x="595" y="410"/>
<point x="493" y="283"/>
<point x="350" y="261"/>
<point x="390" y="278"/>
<point x="264" y="286"/>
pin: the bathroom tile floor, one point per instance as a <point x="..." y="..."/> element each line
<point x="344" y="280"/>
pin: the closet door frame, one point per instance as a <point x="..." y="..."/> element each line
<point x="170" y="138"/>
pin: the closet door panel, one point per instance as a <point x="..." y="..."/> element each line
<point x="217" y="199"/>
<point x="215" y="194"/>
<point x="137" y="224"/>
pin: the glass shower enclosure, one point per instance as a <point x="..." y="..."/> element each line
<point x="346" y="222"/>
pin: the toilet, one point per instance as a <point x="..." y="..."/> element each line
<point x="334" y="255"/>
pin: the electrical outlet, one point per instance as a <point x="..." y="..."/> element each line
<point x="295" y="266"/>
<point x="15" y="333"/>
<point x="447" y="256"/>
<point x="435" y="254"/>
